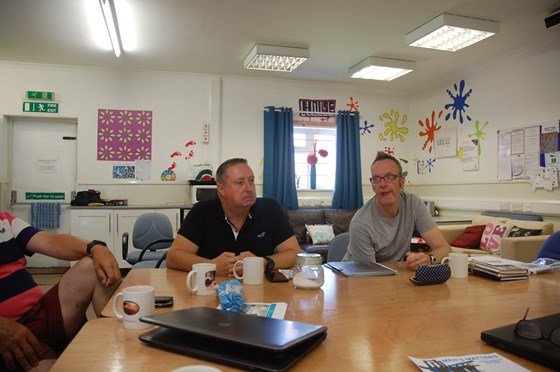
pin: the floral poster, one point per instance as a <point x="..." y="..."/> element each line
<point x="124" y="135"/>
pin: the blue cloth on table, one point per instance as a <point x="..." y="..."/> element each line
<point x="45" y="215"/>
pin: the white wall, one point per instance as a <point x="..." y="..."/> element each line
<point x="520" y="91"/>
<point x="516" y="91"/>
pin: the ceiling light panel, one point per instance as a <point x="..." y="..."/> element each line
<point x="377" y="68"/>
<point x="451" y="33"/>
<point x="275" y="58"/>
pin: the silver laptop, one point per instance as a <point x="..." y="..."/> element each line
<point x="245" y="341"/>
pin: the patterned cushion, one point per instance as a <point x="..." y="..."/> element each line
<point x="320" y="234"/>
<point x="492" y="236"/>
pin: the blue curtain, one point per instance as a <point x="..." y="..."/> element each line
<point x="348" y="178"/>
<point x="279" y="168"/>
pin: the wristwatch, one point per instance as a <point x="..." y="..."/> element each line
<point x="432" y="258"/>
<point x="93" y="243"/>
<point x="269" y="264"/>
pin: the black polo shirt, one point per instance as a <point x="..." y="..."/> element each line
<point x="264" y="229"/>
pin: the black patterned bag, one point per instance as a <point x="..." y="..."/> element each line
<point x="431" y="274"/>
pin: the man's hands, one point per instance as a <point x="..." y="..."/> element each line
<point x="413" y="260"/>
<point x="225" y="261"/>
<point x="18" y="346"/>
<point x="105" y="265"/>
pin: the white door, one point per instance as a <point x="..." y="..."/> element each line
<point x="42" y="167"/>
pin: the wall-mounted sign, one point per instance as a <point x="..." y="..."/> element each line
<point x="44" y="196"/>
<point x="33" y="94"/>
<point x="43" y="107"/>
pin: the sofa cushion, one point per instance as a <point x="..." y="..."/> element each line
<point x="470" y="238"/>
<point x="492" y="236"/>
<point x="320" y="234"/>
<point x="517" y="231"/>
<point x="298" y="218"/>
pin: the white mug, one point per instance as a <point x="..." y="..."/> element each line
<point x="253" y="270"/>
<point x="137" y="301"/>
<point x="204" y="277"/>
<point x="459" y="264"/>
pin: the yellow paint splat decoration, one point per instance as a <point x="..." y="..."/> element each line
<point x="393" y="131"/>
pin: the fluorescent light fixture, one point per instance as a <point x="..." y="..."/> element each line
<point x="275" y="58"/>
<point x="108" y="9"/>
<point x="451" y="32"/>
<point x="376" y="68"/>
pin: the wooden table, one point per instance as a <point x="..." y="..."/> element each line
<point x="373" y="323"/>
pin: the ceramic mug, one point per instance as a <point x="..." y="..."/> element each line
<point x="253" y="270"/>
<point x="137" y="301"/>
<point x="202" y="279"/>
<point x="459" y="264"/>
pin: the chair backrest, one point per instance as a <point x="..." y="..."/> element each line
<point x="338" y="247"/>
<point x="551" y="247"/>
<point x="149" y="227"/>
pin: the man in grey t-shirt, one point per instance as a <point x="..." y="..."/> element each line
<point x="381" y="230"/>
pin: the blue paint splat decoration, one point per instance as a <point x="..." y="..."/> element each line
<point x="430" y="163"/>
<point x="366" y="128"/>
<point x="459" y="102"/>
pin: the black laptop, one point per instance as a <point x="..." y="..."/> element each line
<point x="246" y="341"/>
<point x="541" y="351"/>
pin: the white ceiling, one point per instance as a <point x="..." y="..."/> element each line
<point x="215" y="36"/>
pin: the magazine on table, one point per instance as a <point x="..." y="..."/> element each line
<point x="358" y="269"/>
<point x="498" y="268"/>
<point x="475" y="362"/>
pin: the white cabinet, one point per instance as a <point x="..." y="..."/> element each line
<point x="109" y="225"/>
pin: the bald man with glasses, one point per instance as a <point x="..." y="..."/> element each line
<point x="381" y="230"/>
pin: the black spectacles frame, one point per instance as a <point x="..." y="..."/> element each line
<point x="531" y="330"/>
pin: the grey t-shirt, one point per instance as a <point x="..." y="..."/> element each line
<point x="377" y="238"/>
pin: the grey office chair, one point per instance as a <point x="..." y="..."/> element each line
<point x="152" y="233"/>
<point x="159" y="264"/>
<point x="338" y="247"/>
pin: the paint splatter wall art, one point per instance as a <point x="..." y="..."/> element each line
<point x="124" y="135"/>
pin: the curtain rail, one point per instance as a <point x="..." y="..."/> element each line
<point x="310" y="112"/>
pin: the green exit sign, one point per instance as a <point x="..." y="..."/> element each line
<point x="44" y="107"/>
<point x="34" y="94"/>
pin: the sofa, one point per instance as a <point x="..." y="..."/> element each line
<point x="520" y="248"/>
<point x="338" y="218"/>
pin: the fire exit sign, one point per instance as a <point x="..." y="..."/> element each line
<point x="43" y="107"/>
<point x="34" y="94"/>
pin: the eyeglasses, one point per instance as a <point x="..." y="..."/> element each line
<point x="532" y="330"/>
<point x="387" y="178"/>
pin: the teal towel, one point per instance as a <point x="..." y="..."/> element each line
<point x="45" y="215"/>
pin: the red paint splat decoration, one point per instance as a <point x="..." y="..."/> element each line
<point x="431" y="129"/>
<point x="353" y="106"/>
<point x="190" y="143"/>
<point x="175" y="154"/>
<point x="172" y="166"/>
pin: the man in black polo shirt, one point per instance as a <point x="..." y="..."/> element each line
<point x="235" y="225"/>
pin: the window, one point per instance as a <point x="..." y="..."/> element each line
<point x="324" y="141"/>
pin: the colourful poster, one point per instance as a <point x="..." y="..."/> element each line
<point x="124" y="135"/>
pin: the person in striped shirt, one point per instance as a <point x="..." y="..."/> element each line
<point x="35" y="327"/>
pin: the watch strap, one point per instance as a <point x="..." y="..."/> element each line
<point x="270" y="265"/>
<point x="92" y="244"/>
<point x="432" y="259"/>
